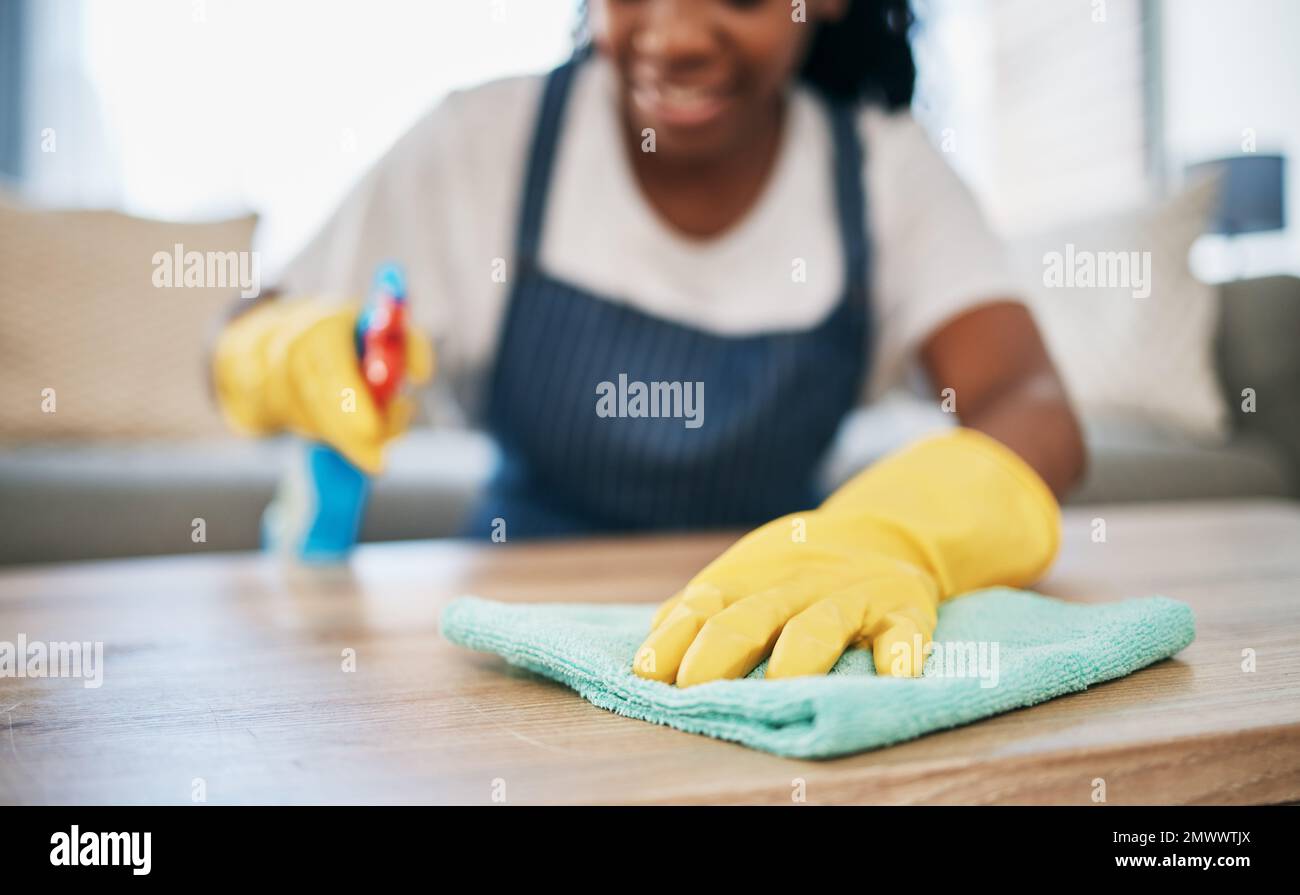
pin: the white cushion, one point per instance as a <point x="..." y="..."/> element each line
<point x="1126" y="354"/>
<point x="90" y="346"/>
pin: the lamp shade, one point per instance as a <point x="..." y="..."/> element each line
<point x="1252" y="193"/>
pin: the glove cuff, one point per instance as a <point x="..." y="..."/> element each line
<point x="964" y="505"/>
<point x="1046" y="510"/>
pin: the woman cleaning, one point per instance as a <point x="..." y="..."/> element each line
<point x="724" y="200"/>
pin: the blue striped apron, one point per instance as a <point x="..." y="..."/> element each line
<point x="772" y="401"/>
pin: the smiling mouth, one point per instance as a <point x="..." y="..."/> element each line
<point x="677" y="106"/>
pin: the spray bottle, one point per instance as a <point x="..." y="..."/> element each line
<point x="317" y="511"/>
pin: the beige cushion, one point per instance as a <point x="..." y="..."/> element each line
<point x="82" y="316"/>
<point x="1129" y="357"/>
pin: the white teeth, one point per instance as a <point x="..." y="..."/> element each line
<point x="675" y="100"/>
<point x="685" y="96"/>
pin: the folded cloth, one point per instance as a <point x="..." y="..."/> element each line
<point x="995" y="650"/>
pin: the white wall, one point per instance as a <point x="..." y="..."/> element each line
<point x="1229" y="66"/>
<point x="203" y="108"/>
<point x="1038" y="104"/>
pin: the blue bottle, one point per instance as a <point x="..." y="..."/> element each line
<point x="317" y="511"/>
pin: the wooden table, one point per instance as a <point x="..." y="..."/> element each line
<point x="223" y="678"/>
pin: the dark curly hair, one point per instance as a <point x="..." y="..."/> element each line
<point x="866" y="56"/>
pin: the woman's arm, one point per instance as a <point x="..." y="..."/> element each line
<point x="1006" y="386"/>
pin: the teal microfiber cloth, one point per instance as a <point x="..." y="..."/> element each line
<point x="996" y="650"/>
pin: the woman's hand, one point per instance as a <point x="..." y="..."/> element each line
<point x="292" y="364"/>
<point x="802" y="601"/>
<point x="948" y="515"/>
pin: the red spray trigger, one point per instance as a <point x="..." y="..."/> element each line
<point x="381" y="335"/>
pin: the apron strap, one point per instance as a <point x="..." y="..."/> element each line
<point x="850" y="199"/>
<point x="541" y="158"/>
<point x="850" y="195"/>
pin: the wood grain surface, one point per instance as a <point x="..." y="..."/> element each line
<point x="228" y="669"/>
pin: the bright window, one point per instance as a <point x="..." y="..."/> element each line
<point x="185" y="108"/>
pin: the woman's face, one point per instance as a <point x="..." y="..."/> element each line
<point x="705" y="75"/>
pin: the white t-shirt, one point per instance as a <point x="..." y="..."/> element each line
<point x="444" y="203"/>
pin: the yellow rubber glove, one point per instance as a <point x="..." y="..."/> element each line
<point x="947" y="515"/>
<point x="292" y="364"/>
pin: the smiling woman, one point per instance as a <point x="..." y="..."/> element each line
<point x="712" y="192"/>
